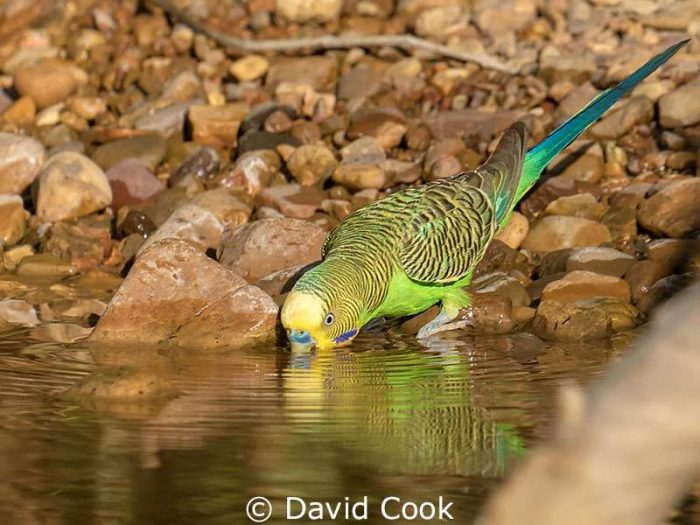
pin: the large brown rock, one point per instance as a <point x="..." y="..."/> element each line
<point x="21" y="159"/>
<point x="556" y="232"/>
<point x="71" y="186"/>
<point x="673" y="211"/>
<point x="175" y="294"/>
<point x="584" y="319"/>
<point x="260" y="248"/>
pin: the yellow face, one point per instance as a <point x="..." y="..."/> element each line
<point x="309" y="321"/>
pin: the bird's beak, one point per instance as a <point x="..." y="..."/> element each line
<point x="300" y="339"/>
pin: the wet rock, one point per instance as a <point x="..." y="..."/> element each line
<point x="253" y="171"/>
<point x="13" y="219"/>
<point x="71" y="186"/>
<point x="123" y="384"/>
<point x="293" y="200"/>
<point x="49" y="81"/>
<point x="556" y="232"/>
<point x="470" y="123"/>
<point x="499" y="283"/>
<point x="312" y="164"/>
<point x="260" y="248"/>
<point x="148" y="149"/>
<point x="132" y="183"/>
<point x="664" y="289"/>
<point x="176" y="294"/>
<point x="307" y="10"/>
<point x="551" y="190"/>
<point x="514" y="233"/>
<point x="45" y="267"/>
<point x="679" y="107"/>
<point x="582" y="205"/>
<point x="637" y="110"/>
<point x="580" y="284"/>
<point x="21" y="159"/>
<point x="318" y="72"/>
<point x="604" y="261"/>
<point x="673" y="211"/>
<point x="491" y="313"/>
<point x="642" y="276"/>
<point x="200" y="169"/>
<point x="499" y="257"/>
<point x="250" y="67"/>
<point x="584" y="319"/>
<point x="202" y="220"/>
<point x="217" y="126"/>
<point x="17" y="313"/>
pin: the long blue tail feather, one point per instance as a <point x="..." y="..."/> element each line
<point x="538" y="157"/>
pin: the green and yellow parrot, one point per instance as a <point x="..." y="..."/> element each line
<point x="417" y="247"/>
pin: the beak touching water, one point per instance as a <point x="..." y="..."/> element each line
<point x="300" y="339"/>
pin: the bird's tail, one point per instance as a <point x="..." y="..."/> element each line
<point x="537" y="158"/>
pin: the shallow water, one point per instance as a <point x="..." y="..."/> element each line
<point x="386" y="417"/>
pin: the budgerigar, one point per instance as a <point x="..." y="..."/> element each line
<point x="418" y="247"/>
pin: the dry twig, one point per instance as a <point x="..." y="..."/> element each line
<point x="405" y="42"/>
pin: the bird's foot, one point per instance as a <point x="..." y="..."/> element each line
<point x="444" y="322"/>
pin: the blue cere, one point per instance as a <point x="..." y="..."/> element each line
<point x="347" y="335"/>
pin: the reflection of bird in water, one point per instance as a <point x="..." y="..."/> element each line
<point x="412" y="406"/>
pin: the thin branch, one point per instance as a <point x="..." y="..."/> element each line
<point x="405" y="42"/>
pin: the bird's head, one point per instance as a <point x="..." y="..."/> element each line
<point x="317" y="312"/>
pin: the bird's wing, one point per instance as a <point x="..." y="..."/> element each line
<point x="447" y="233"/>
<point x="455" y="219"/>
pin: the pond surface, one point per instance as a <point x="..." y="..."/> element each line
<point x="385" y="417"/>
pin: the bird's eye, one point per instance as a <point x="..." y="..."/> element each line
<point x="329" y="320"/>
